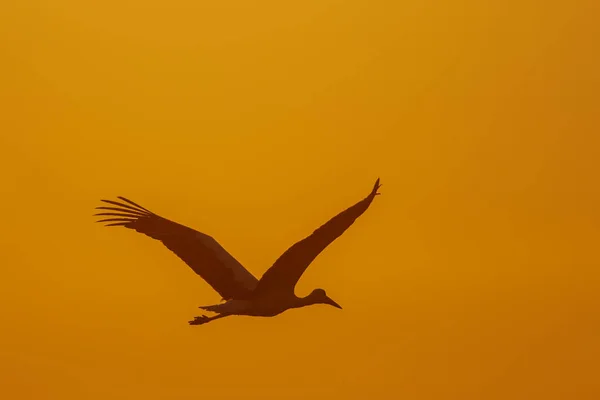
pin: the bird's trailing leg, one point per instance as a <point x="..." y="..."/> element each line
<point x="203" y="319"/>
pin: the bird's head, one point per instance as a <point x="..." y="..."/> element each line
<point x="318" y="296"/>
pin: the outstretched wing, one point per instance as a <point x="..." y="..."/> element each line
<point x="287" y="270"/>
<point x="201" y="252"/>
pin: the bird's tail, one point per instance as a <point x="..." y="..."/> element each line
<point x="213" y="308"/>
<point x="229" y="307"/>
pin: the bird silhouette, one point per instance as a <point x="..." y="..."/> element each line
<point x="241" y="292"/>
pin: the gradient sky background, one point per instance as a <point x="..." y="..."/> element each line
<point x="474" y="276"/>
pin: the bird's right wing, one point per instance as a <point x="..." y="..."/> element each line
<point x="289" y="267"/>
<point x="201" y="252"/>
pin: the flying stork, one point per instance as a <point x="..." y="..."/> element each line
<point x="242" y="292"/>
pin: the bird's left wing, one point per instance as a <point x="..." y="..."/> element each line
<point x="200" y="251"/>
<point x="287" y="270"/>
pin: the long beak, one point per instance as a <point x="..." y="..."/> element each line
<point x="333" y="303"/>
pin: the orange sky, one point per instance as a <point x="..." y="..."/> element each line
<point x="474" y="276"/>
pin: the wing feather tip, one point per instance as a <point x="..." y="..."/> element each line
<point x="134" y="204"/>
<point x="123" y="208"/>
<point x="124" y="224"/>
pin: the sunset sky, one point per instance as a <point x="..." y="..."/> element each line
<point x="476" y="274"/>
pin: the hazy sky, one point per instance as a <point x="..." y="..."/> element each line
<point x="474" y="276"/>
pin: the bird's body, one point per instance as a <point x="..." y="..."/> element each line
<point x="258" y="307"/>
<point x="242" y="292"/>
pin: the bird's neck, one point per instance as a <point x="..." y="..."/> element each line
<point x="303" y="301"/>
